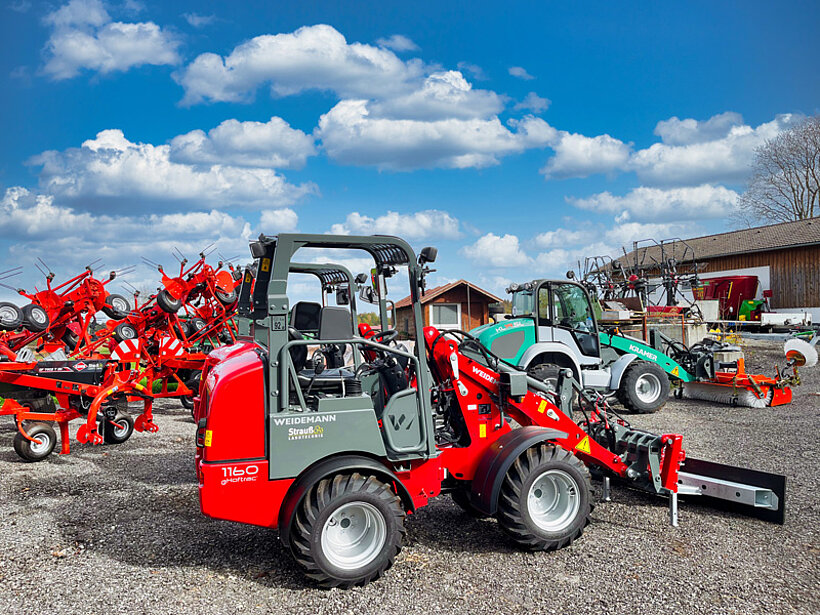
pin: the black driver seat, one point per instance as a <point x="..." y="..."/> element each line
<point x="331" y="381"/>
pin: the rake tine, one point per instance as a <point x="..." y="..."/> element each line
<point x="93" y="264"/>
<point x="40" y="269"/>
<point x="126" y="270"/>
<point x="44" y="264"/>
<point x="150" y="262"/>
<point x="10" y="272"/>
<point x="179" y="252"/>
<point x="9" y="287"/>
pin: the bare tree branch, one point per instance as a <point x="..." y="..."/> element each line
<point x="784" y="184"/>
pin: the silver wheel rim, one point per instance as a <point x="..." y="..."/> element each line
<point x="38" y="316"/>
<point x="354" y="535"/>
<point x="648" y="388"/>
<point x="128" y="333"/>
<point x="8" y="315"/>
<point x="39" y="443"/>
<point x="553" y="501"/>
<point x="119" y="305"/>
<point x="120" y="428"/>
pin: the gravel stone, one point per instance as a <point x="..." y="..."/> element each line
<point x="118" y="529"/>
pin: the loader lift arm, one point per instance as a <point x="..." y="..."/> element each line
<point x="649" y="462"/>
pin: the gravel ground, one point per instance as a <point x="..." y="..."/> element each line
<point x="108" y="530"/>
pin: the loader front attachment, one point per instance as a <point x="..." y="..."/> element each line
<point x="741" y="490"/>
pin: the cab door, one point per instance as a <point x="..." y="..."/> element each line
<point x="565" y="315"/>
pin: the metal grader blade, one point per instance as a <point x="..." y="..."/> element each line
<point x="749" y="492"/>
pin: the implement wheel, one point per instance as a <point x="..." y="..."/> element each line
<point x="644" y="388"/>
<point x="545" y="499"/>
<point x="120" y="431"/>
<point x="347" y="530"/>
<point x="44" y="440"/>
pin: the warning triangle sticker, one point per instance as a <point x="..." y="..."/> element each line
<point x="675" y="372"/>
<point x="583" y="445"/>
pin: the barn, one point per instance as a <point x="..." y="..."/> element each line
<point x="457" y="305"/>
<point x="784" y="257"/>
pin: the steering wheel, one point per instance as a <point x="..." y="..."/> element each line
<point x="384" y="337"/>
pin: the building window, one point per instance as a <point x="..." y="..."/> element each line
<point x="445" y="315"/>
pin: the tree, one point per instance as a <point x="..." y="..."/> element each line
<point x="784" y="184"/>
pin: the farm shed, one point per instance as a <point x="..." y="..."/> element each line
<point x="785" y="258"/>
<point x="457" y="305"/>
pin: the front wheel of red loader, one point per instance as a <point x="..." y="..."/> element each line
<point x="644" y="388"/>
<point x="545" y="501"/>
<point x="43" y="439"/>
<point x="348" y="530"/>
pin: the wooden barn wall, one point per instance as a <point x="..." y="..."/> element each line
<point x="794" y="274"/>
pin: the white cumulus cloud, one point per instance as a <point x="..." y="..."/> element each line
<point x="278" y="220"/>
<point x="721" y="149"/>
<point x="311" y="58"/>
<point x="199" y="21"/>
<point x="577" y="155"/>
<point x="84" y="37"/>
<point x="350" y="136"/>
<point x="675" y="204"/>
<point x="497" y="251"/>
<point x="533" y="102"/>
<point x="520" y="72"/>
<point x="398" y="42"/>
<point x="112" y="167"/>
<point x="271" y="144"/>
<point x="428" y="224"/>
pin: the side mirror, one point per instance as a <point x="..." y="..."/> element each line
<point x="257" y="249"/>
<point x="361" y="278"/>
<point x="342" y="296"/>
<point x="428" y="255"/>
<point x="570" y="275"/>
<point x="368" y="295"/>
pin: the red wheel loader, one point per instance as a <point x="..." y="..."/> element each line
<point x="336" y="458"/>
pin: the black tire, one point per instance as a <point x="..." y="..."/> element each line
<point x="644" y="388"/>
<point x="462" y="499"/>
<point x="35" y="317"/>
<point x="116" y="306"/>
<point x="29" y="451"/>
<point x="70" y="339"/>
<point x="187" y="401"/>
<point x="167" y="303"/>
<point x="544" y="470"/>
<point x="124" y="331"/>
<point x="194" y="326"/>
<point x="547" y="373"/>
<point x="11" y="316"/>
<point x="226" y="298"/>
<point x="316" y="511"/>
<point x="119" y="433"/>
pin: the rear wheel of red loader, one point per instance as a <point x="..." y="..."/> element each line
<point x="545" y="501"/>
<point x="644" y="388"/>
<point x="118" y="429"/>
<point x="43" y="439"/>
<point x="348" y="530"/>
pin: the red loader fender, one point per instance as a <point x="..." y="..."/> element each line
<point x="327" y="467"/>
<point x="498" y="458"/>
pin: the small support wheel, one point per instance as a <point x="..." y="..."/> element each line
<point x="348" y="530"/>
<point x="44" y="438"/>
<point x="118" y="429"/>
<point x="545" y="500"/>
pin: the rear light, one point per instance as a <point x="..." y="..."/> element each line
<point x="201" y="432"/>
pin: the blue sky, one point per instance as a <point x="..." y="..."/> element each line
<point x="516" y="139"/>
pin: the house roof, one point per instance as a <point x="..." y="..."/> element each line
<point x="780" y="236"/>
<point x="432" y="293"/>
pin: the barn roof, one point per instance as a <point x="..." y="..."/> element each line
<point x="432" y="293"/>
<point x="780" y="236"/>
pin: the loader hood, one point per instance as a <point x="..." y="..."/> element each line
<point x="508" y="339"/>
